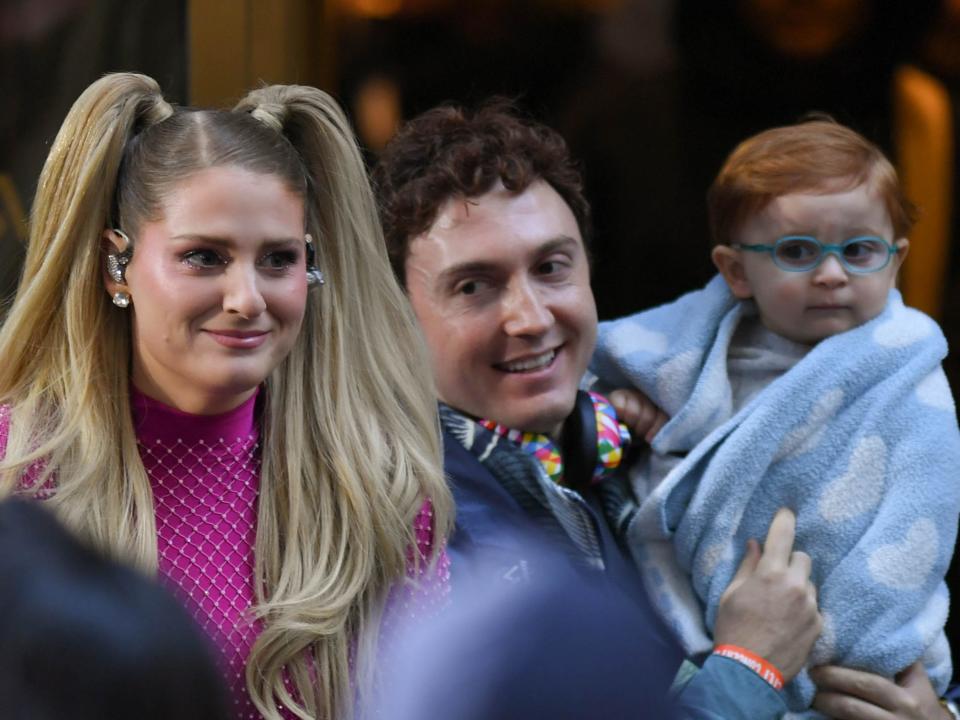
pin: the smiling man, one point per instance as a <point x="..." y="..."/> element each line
<point x="485" y="224"/>
<point x="501" y="286"/>
<point x="487" y="229"/>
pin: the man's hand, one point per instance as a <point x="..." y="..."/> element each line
<point x="847" y="694"/>
<point x="638" y="412"/>
<point x="770" y="606"/>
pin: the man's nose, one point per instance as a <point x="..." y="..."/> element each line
<point x="242" y="295"/>
<point x="830" y="272"/>
<point x="525" y="311"/>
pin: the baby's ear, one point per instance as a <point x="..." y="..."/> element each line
<point x="903" y="246"/>
<point x="730" y="264"/>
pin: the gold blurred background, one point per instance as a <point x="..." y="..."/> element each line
<point x="650" y="94"/>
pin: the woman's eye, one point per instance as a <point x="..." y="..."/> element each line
<point x="280" y="260"/>
<point x="203" y="259"/>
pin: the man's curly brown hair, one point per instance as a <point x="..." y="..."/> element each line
<point x="450" y="152"/>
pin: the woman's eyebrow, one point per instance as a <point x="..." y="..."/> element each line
<point x="229" y="242"/>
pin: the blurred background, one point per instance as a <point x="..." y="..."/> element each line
<point x="650" y="94"/>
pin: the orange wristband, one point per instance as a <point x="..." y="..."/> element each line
<point x="756" y="663"/>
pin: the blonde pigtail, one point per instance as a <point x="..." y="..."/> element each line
<point x="352" y="454"/>
<point x="66" y="350"/>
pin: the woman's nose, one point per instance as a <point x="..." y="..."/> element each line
<point x="242" y="295"/>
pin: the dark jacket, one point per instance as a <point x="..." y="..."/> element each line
<point x="495" y="544"/>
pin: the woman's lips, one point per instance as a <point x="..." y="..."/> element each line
<point x="239" y="339"/>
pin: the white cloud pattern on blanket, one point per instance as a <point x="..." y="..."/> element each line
<point x="860" y="488"/>
<point x="907" y="564"/>
<point x="807" y="436"/>
<point x="929" y="623"/>
<point x="934" y="391"/>
<point x="714" y="555"/>
<point x="898" y="332"/>
<point x="626" y="338"/>
<point x="825" y="649"/>
<point x="673" y="377"/>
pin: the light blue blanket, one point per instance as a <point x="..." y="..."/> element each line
<point x="859" y="438"/>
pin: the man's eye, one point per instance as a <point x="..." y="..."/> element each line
<point x="471" y="287"/>
<point x="554" y="268"/>
<point x="203" y="258"/>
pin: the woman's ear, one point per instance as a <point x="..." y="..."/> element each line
<point x="729" y="263"/>
<point x="115" y="254"/>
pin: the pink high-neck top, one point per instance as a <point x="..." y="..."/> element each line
<point x="205" y="471"/>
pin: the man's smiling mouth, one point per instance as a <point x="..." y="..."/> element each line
<point x="530" y="364"/>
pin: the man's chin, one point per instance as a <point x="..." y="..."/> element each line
<point x="545" y="420"/>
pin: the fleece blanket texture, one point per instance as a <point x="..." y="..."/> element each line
<point x="859" y="438"/>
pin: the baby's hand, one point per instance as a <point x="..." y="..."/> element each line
<point x="638" y="413"/>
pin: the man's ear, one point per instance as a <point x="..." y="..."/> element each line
<point x="112" y="243"/>
<point x="730" y="264"/>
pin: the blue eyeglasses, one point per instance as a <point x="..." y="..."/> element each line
<point x="799" y="253"/>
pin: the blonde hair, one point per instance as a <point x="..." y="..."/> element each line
<point x="350" y="437"/>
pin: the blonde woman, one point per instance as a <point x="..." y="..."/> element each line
<point x="184" y="388"/>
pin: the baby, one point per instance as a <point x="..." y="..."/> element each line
<point x="798" y="378"/>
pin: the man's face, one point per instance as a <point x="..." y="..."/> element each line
<point x="501" y="286"/>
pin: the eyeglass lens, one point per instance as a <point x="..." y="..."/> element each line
<point x="859" y="254"/>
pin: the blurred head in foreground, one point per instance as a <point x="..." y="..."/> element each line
<point x="82" y="637"/>
<point x="559" y="648"/>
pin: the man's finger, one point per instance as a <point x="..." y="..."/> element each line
<point x="647" y="414"/>
<point x="779" y="543"/>
<point x="801" y="563"/>
<point x="660" y="421"/>
<point x="840" y="706"/>
<point x="626" y="405"/>
<point x="856" y="683"/>
<point x="912" y="675"/>
<point x="749" y="563"/>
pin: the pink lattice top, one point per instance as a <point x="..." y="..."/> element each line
<point x="204" y="472"/>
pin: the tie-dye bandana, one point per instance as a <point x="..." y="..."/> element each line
<point x="612" y="438"/>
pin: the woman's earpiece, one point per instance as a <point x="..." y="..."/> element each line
<point x="314" y="274"/>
